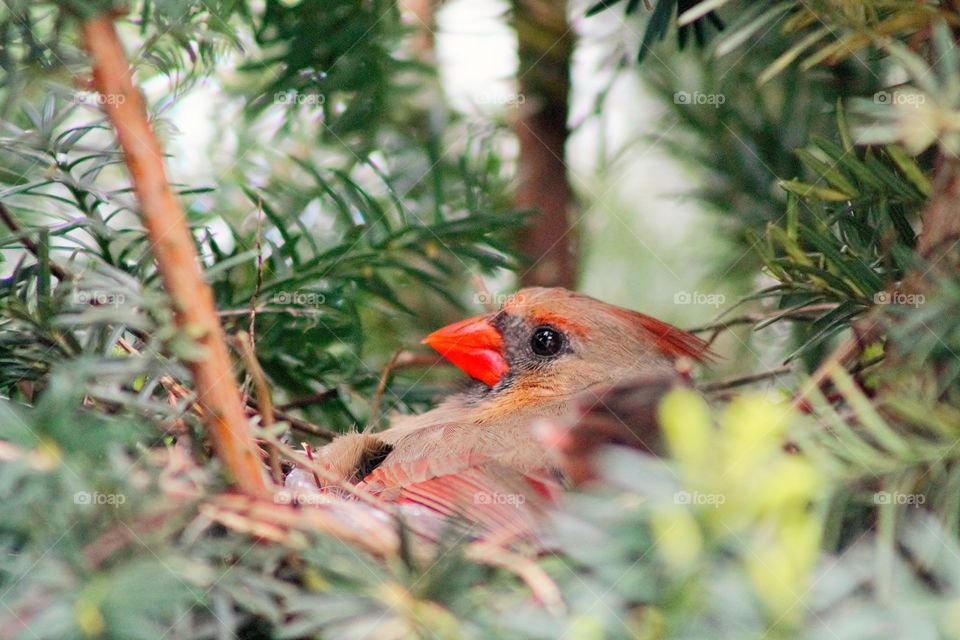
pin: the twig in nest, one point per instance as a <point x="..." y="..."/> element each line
<point x="173" y="247"/>
<point x="351" y="523"/>
<point x="307" y="449"/>
<point x="381" y="388"/>
<point x="245" y="345"/>
<point x="331" y="479"/>
<point x="296" y="423"/>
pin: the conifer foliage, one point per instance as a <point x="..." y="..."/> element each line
<point x="162" y="357"/>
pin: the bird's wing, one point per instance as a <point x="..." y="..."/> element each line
<point x="476" y="489"/>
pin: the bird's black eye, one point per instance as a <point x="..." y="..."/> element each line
<point x="546" y="341"/>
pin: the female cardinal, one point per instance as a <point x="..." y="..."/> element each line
<point x="475" y="455"/>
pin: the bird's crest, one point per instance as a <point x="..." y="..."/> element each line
<point x="668" y="339"/>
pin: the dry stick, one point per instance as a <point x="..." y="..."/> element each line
<point x="716" y="328"/>
<point x="330" y="479"/>
<point x="245" y="345"/>
<point x="268" y="520"/>
<point x="297" y="312"/>
<point x="739" y="381"/>
<point x="754" y="318"/>
<point x="176" y="255"/>
<point x="381" y="389"/>
<point x="259" y="285"/>
<point x="314" y="398"/>
<point x="308" y="449"/>
<point x="307" y="427"/>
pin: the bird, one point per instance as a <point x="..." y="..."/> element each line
<point x="547" y="354"/>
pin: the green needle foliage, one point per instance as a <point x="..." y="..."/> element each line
<point x="353" y="212"/>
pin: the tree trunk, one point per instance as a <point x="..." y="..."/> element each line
<point x="545" y="45"/>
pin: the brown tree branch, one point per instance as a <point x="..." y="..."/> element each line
<point x="176" y="255"/>
<point x="739" y="381"/>
<point x="12" y="224"/>
<point x="756" y="318"/>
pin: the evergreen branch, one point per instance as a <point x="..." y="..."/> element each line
<point x="12" y="224"/>
<point x="175" y="253"/>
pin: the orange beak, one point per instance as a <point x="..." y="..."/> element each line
<point x="475" y="346"/>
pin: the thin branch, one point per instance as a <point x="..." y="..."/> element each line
<point x="308" y="450"/>
<point x="60" y="272"/>
<point x="176" y="255"/>
<point x="259" y="285"/>
<point x="381" y="389"/>
<point x="246" y="347"/>
<point x="756" y="318"/>
<point x="314" y="398"/>
<point x="296" y="423"/>
<point x="739" y="381"/>
<point x="298" y="312"/>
